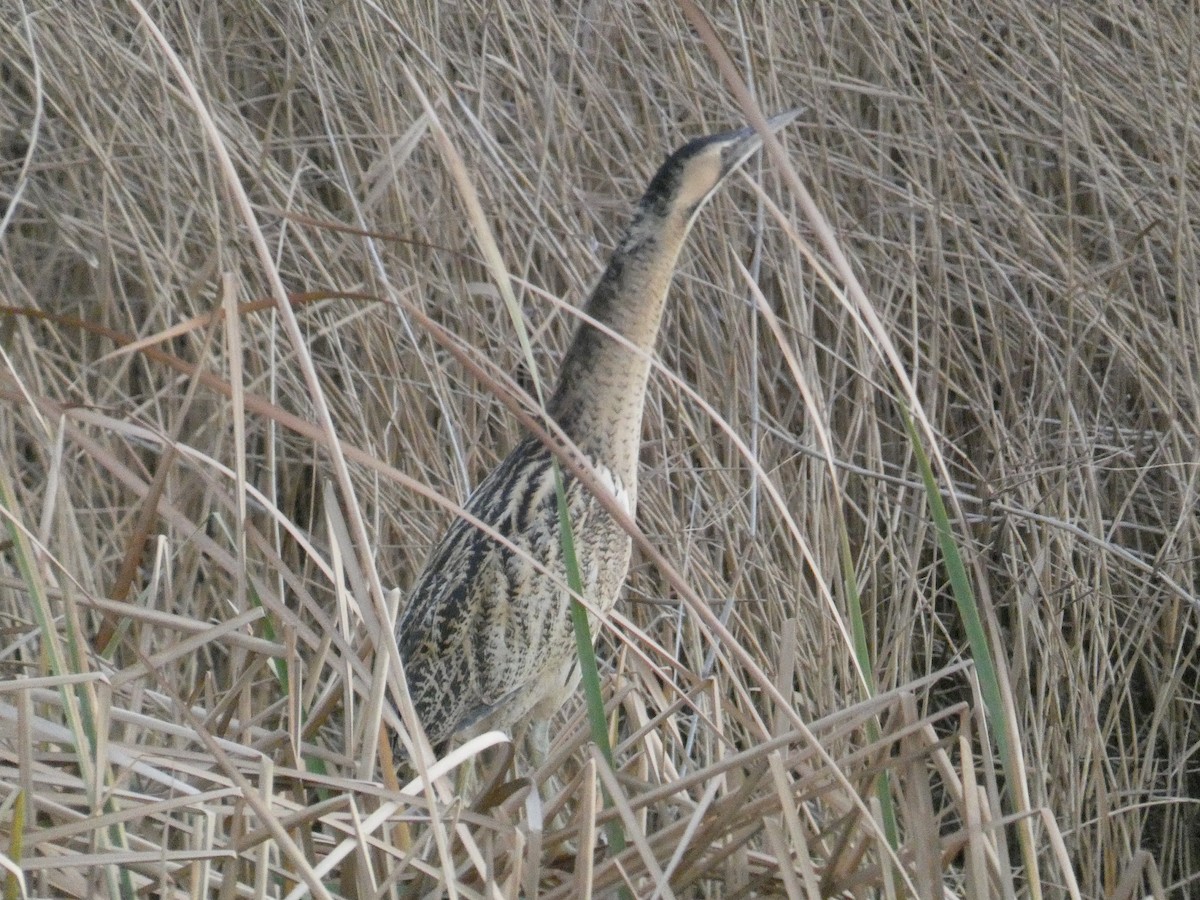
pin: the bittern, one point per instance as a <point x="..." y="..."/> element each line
<point x="485" y="637"/>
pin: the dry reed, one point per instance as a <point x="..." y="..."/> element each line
<point x="239" y="283"/>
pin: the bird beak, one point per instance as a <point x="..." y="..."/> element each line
<point x="743" y="144"/>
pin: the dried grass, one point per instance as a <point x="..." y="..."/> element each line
<point x="253" y="352"/>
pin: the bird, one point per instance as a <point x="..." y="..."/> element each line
<point x="485" y="637"/>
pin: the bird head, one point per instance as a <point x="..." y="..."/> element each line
<point x="692" y="174"/>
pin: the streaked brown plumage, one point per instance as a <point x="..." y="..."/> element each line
<point x="486" y="639"/>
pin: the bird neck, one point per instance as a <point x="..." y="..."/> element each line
<point x="601" y="387"/>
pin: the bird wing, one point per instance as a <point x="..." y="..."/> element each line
<point x="469" y="635"/>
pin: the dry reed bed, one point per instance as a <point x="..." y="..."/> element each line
<point x="1012" y="184"/>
